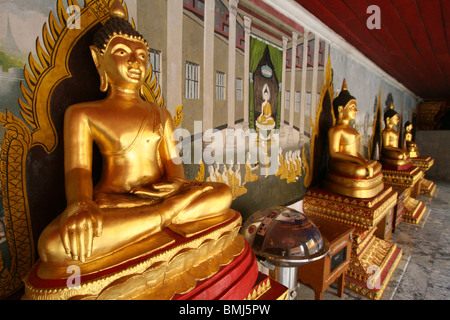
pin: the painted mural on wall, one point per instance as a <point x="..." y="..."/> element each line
<point x="267" y="161"/>
<point x="21" y="24"/>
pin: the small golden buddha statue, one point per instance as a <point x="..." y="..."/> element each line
<point x="391" y="153"/>
<point x="142" y="189"/>
<point x="410" y="145"/>
<point x="349" y="173"/>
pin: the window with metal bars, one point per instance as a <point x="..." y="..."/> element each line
<point x="192" y="80"/>
<point x="220" y="85"/>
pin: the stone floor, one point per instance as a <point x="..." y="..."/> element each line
<point x="424" y="270"/>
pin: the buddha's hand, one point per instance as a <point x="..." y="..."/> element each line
<point x="78" y="225"/>
<point x="160" y="190"/>
<point x="368" y="166"/>
<point x="369" y="171"/>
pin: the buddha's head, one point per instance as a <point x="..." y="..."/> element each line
<point x="120" y="53"/>
<point x="391" y="116"/>
<point x="408" y="126"/>
<point x="344" y="105"/>
<point x="266" y="92"/>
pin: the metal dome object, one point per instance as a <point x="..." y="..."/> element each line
<point x="285" y="237"/>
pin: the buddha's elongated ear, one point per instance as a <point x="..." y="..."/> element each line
<point x="95" y="52"/>
<point x="97" y="56"/>
<point x="340" y="109"/>
<point x="388" y="119"/>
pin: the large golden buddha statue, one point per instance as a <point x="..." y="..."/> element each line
<point x="391" y="154"/>
<point x="142" y="189"/>
<point x="349" y="173"/>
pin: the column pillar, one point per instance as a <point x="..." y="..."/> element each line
<point x="208" y="65"/>
<point x="174" y="54"/>
<point x="304" y="79"/>
<point x="247" y="28"/>
<point x="232" y="63"/>
<point x="314" y="83"/>
<point x="283" y="83"/>
<point x="292" y="89"/>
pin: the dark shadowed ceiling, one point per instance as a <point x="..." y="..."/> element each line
<point x="412" y="44"/>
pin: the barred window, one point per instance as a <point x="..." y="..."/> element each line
<point x="297" y="101"/>
<point x="311" y="45"/>
<point x="287" y="100"/>
<point x="220" y="85"/>
<point x="299" y="56"/>
<point x="288" y="58"/>
<point x="192" y="80"/>
<point x="196" y="6"/>
<point x="239" y="84"/>
<point x="308" y="103"/>
<point x="321" y="53"/>
<point x="155" y="60"/>
<point x="221" y="21"/>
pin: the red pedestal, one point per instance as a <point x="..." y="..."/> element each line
<point x="233" y="281"/>
<point x="387" y="166"/>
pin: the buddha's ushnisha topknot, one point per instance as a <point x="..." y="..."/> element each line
<point x="342" y="99"/>
<point x="116" y="25"/>
<point x="117" y="10"/>
<point x="390" y="112"/>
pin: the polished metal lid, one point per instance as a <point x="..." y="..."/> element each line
<point x="284" y="237"/>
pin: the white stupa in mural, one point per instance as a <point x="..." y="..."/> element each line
<point x="9" y="44"/>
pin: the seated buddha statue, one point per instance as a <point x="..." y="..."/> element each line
<point x="265" y="118"/>
<point x="391" y="153"/>
<point x="349" y="173"/>
<point x="142" y="189"/>
<point x="410" y="145"/>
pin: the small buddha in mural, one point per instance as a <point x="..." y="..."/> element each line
<point x="142" y="189"/>
<point x="349" y="173"/>
<point x="391" y="153"/>
<point x="291" y="167"/>
<point x="410" y="145"/>
<point x="249" y="168"/>
<point x="235" y="180"/>
<point x="265" y="119"/>
<point x="212" y="175"/>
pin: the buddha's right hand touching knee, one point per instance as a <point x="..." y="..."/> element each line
<point x="366" y="164"/>
<point x="78" y="225"/>
<point x="369" y="169"/>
